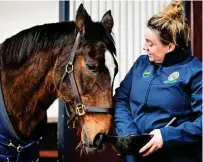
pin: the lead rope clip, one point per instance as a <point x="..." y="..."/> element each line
<point x="18" y="148"/>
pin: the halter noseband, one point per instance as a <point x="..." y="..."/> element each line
<point x="80" y="109"/>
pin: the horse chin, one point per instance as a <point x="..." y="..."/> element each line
<point x="88" y="149"/>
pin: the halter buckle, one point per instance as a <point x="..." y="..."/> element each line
<point x="69" y="68"/>
<point x="80" y="109"/>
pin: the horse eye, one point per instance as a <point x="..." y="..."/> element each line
<point x="93" y="68"/>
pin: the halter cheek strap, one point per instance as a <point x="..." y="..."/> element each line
<point x="81" y="109"/>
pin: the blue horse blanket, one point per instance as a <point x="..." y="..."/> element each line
<point x="12" y="148"/>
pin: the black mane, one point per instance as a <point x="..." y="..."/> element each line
<point x="16" y="50"/>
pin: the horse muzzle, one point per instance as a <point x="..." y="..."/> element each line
<point x="99" y="140"/>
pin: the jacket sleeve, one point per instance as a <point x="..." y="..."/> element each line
<point x="122" y="117"/>
<point x="188" y="132"/>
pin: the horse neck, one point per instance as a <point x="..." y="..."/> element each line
<point x="28" y="92"/>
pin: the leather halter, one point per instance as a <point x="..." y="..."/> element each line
<point x="81" y="109"/>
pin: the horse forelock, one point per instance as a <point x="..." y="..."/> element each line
<point x="97" y="32"/>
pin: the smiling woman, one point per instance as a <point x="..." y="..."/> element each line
<point x="156" y="50"/>
<point x="164" y="85"/>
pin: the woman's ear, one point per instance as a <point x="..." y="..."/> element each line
<point x="171" y="47"/>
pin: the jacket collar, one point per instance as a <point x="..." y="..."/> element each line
<point x="177" y="56"/>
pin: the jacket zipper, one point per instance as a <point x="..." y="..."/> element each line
<point x="150" y="84"/>
<point x="146" y="98"/>
<point x="147" y="94"/>
<point x="149" y="87"/>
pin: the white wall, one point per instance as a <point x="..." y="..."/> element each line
<point x="18" y="15"/>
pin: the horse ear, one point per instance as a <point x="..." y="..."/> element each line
<point x="82" y="19"/>
<point x="107" y="20"/>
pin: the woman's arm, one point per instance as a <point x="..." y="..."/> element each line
<point x="122" y="117"/>
<point x="188" y="132"/>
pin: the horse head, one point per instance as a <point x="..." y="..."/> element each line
<point x="94" y="70"/>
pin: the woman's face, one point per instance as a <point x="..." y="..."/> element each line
<point x="153" y="46"/>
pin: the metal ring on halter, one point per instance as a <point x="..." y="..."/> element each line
<point x="69" y="68"/>
<point x="80" y="109"/>
<point x="19" y="148"/>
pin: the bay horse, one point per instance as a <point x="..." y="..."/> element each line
<point x="72" y="60"/>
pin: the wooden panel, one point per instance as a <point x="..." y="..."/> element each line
<point x="196" y="27"/>
<point x="49" y="154"/>
<point x="197" y="41"/>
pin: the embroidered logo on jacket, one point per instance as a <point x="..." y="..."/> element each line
<point x="146" y="74"/>
<point x="172" y="77"/>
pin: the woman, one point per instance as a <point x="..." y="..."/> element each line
<point x="163" y="85"/>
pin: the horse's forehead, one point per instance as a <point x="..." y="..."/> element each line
<point x="110" y="63"/>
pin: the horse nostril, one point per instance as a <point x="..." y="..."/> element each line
<point x="98" y="140"/>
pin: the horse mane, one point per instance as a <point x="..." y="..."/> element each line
<point x="17" y="49"/>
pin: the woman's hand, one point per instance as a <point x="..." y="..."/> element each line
<point x="154" y="144"/>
